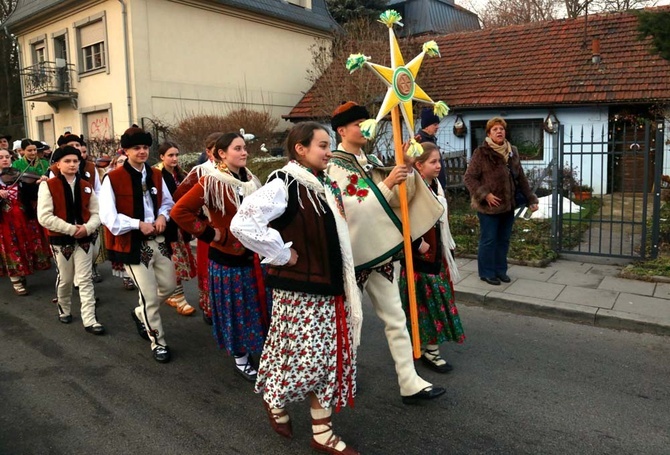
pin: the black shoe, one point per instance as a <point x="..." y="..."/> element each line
<point x="429" y="393"/>
<point x="491" y="281"/>
<point x="207" y="319"/>
<point x="247" y="371"/>
<point x="504" y="278"/>
<point x="65" y="318"/>
<point x="95" y="329"/>
<point x="141" y="328"/>
<point x="445" y="367"/>
<point x="162" y="354"/>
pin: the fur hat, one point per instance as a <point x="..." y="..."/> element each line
<point x="428" y="117"/>
<point x="6" y="136"/>
<point x="135" y="136"/>
<point x="346" y="113"/>
<point x="67" y="138"/>
<point x="64" y="151"/>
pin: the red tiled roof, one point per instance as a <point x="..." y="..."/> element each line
<point x="537" y="64"/>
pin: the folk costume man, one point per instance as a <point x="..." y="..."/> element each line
<point x="135" y="206"/>
<point x="68" y="208"/>
<point x="370" y="196"/>
<point x="88" y="173"/>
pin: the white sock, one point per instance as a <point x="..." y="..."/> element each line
<point x="283" y="419"/>
<point x="325" y="430"/>
<point x="436" y="359"/>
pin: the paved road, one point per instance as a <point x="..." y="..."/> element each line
<point x="522" y="385"/>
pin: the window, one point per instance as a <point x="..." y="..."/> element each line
<point x="98" y="122"/>
<point x="526" y="135"/>
<point x="45" y="129"/>
<point x="307" y="4"/>
<point x="93" y="47"/>
<point x="39" y="52"/>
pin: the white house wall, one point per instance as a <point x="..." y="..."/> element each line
<point x="191" y="58"/>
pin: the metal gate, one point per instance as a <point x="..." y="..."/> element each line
<point x="622" y="166"/>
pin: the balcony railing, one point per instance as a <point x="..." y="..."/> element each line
<point x="49" y="81"/>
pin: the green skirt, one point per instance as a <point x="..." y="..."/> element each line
<point x="438" y="316"/>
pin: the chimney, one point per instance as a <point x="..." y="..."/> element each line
<point x="595" y="51"/>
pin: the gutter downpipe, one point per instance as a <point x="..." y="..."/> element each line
<point x="124" y="13"/>
<point x="23" y="101"/>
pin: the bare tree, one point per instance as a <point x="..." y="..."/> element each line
<point x="500" y="13"/>
<point x="10" y="106"/>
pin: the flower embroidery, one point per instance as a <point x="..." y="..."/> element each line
<point x="146" y="253"/>
<point x="357" y="187"/>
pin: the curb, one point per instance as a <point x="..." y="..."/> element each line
<point x="571" y="312"/>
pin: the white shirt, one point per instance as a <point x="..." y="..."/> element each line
<point x="47" y="218"/>
<point x="118" y="223"/>
<point x="250" y="223"/>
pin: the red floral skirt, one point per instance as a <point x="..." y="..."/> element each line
<point x="24" y="248"/>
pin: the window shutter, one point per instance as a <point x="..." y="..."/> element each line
<point x="92" y="34"/>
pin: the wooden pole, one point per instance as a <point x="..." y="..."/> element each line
<point x="407" y="239"/>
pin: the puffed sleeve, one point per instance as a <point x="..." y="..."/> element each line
<point x="250" y="225"/>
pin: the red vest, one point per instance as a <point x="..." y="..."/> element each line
<point x="57" y="190"/>
<point x="125" y="248"/>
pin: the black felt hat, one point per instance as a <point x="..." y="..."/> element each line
<point x="135" y="136"/>
<point x="64" y="151"/>
<point x="67" y="138"/>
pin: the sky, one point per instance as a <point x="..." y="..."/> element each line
<point x="478" y="4"/>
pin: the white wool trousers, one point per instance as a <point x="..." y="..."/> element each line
<point x="155" y="280"/>
<point x="385" y="297"/>
<point x="74" y="264"/>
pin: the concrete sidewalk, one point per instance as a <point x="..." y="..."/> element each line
<point x="576" y="291"/>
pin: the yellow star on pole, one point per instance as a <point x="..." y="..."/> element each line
<point x="400" y="79"/>
<point x="401" y="82"/>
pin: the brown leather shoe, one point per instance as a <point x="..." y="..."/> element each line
<point x="283" y="429"/>
<point x="333" y="440"/>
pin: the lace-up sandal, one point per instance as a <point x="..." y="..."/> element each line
<point x="279" y="421"/>
<point x="20" y="286"/>
<point x="322" y="430"/>
<point x="245" y="368"/>
<point x="128" y="284"/>
<point x="178" y="300"/>
<point x="432" y="359"/>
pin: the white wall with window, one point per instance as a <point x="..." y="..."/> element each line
<point x="45" y="129"/>
<point x="38" y="49"/>
<point x="92" y="44"/>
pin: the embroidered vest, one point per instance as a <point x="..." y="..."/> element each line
<point x="125" y="248"/>
<point x="315" y="239"/>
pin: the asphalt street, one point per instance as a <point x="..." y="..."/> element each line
<point x="521" y="385"/>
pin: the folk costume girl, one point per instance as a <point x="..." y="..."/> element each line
<point x="23" y="247"/>
<point x="182" y="257"/>
<point x="68" y="208"/>
<point x="30" y="162"/>
<point x="434" y="270"/>
<point x="237" y="292"/>
<point x="296" y="221"/>
<point x="202" y="248"/>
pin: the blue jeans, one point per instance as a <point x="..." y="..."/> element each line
<point x="495" y="232"/>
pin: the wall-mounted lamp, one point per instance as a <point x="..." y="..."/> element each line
<point x="551" y="123"/>
<point x="460" y="129"/>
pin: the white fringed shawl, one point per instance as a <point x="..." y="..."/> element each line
<point x="220" y="186"/>
<point x="318" y="194"/>
<point x="448" y="243"/>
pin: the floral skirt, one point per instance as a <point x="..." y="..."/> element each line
<point x="239" y="318"/>
<point x="202" y="252"/>
<point x="303" y="354"/>
<point x="438" y="316"/>
<point x="24" y="248"/>
<point x="184" y="263"/>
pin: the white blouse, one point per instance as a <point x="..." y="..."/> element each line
<point x="251" y="223"/>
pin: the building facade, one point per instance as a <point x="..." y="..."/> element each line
<point x="98" y="66"/>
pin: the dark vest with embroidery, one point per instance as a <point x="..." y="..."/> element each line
<point x="69" y="207"/>
<point x="315" y="239"/>
<point x="127" y="187"/>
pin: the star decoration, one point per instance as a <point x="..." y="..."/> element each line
<point x="400" y="79"/>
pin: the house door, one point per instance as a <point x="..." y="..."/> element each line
<point x="620" y="215"/>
